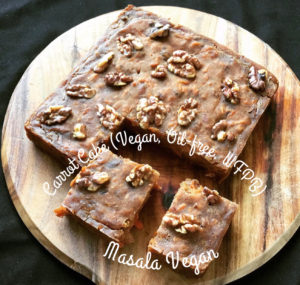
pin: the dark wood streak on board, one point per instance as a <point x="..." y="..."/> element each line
<point x="269" y="183"/>
<point x="293" y="122"/>
<point x="75" y="52"/>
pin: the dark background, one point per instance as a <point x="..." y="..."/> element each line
<point x="27" y="27"/>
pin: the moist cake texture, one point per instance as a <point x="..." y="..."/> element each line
<point x="195" y="224"/>
<point x="150" y="75"/>
<point x="108" y="194"/>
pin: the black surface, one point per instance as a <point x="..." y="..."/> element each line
<point x="27" y="27"/>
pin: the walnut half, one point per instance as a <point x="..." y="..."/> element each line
<point x="257" y="78"/>
<point x="159" y="31"/>
<point x="55" y="115"/>
<point x="80" y="91"/>
<point x="117" y="79"/>
<point x="183" y="64"/>
<point x="126" y="44"/>
<point x="109" y="117"/>
<point x="182" y="223"/>
<point x="187" y="112"/>
<point x="160" y="72"/>
<point x="103" y="63"/>
<point x="231" y="91"/>
<point x="139" y="174"/>
<point x="91" y="181"/>
<point x="150" y="111"/>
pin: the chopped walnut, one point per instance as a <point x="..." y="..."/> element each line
<point x="170" y="219"/>
<point x="231" y="91"/>
<point x="128" y="43"/>
<point x="79" y="131"/>
<point x="257" y="78"/>
<point x="137" y="44"/>
<point x="182" y="223"/>
<point x="80" y="91"/>
<point x="219" y="132"/>
<point x="109" y="117"/>
<point x="117" y="79"/>
<point x="192" y="227"/>
<point x="160" y="31"/>
<point x="181" y="230"/>
<point x="100" y="177"/>
<point x="221" y="136"/>
<point x="126" y="223"/>
<point x="92" y="182"/>
<point x="55" y="115"/>
<point x="82" y="182"/>
<point x="150" y="111"/>
<point x="187" y="112"/>
<point x="139" y="174"/>
<point x="103" y="63"/>
<point x="213" y="196"/>
<point x="183" y="64"/>
<point x="160" y="72"/>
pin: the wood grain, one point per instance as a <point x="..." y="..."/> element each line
<point x="260" y="228"/>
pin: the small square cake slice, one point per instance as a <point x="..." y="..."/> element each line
<point x="193" y="228"/>
<point x="108" y="194"/>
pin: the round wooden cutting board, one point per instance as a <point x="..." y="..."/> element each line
<point x="262" y="224"/>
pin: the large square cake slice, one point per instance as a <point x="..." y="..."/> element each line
<point x="108" y="194"/>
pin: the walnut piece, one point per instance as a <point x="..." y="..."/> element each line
<point x="160" y="72"/>
<point x="109" y="117"/>
<point x="187" y="112"/>
<point x="171" y="220"/>
<point x="150" y="111"/>
<point x="91" y="181"/>
<point x="80" y="91"/>
<point x="183" y="64"/>
<point x="213" y="196"/>
<point x="117" y="79"/>
<point x="139" y="174"/>
<point x="182" y="223"/>
<point x="181" y="230"/>
<point x="103" y="63"/>
<point x="55" y="115"/>
<point x="100" y="177"/>
<point x="231" y="91"/>
<point x="83" y="182"/>
<point x="219" y="132"/>
<point x="257" y="78"/>
<point x="127" y="44"/>
<point x="79" y="131"/>
<point x="159" y="31"/>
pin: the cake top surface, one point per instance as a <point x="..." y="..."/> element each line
<point x="111" y="190"/>
<point x="195" y="223"/>
<point x="162" y="77"/>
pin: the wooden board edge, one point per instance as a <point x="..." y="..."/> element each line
<point x="267" y="255"/>
<point x="256" y="263"/>
<point x="31" y="226"/>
